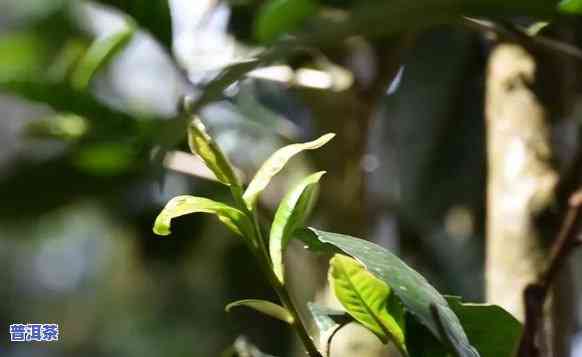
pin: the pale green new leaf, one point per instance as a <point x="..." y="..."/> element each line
<point x="276" y="163"/>
<point x="266" y="307"/>
<point x="98" y="55"/>
<point x="204" y="146"/>
<point x="291" y="214"/>
<point x="365" y="298"/>
<point x="234" y="219"/>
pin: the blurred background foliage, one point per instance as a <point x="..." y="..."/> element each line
<point x="92" y="148"/>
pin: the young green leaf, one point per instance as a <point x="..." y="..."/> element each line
<point x="291" y="214"/>
<point x="412" y="289"/>
<point x="178" y="206"/>
<point x="365" y="297"/>
<point x="204" y="146"/>
<point x="266" y="307"/>
<point x="276" y="163"/>
<point x="98" y="55"/>
<point x="570" y="6"/>
<point x="279" y="16"/>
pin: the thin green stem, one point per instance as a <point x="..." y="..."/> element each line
<point x="261" y="253"/>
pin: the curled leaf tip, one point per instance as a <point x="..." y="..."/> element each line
<point x="327" y="137"/>
<point x="265" y="307"/>
<point x="275" y="163"/>
<point x="162" y="225"/>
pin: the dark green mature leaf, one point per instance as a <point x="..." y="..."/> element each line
<point x="277" y="17"/>
<point x="421" y="342"/>
<point x="234" y="219"/>
<point x="266" y="307"/>
<point x="365" y="298"/>
<point x="291" y="215"/>
<point x="204" y="146"/>
<point x="98" y="55"/>
<point x="414" y="291"/>
<point x="276" y="163"/>
<point x="491" y="329"/>
<point x="152" y="15"/>
<point x="446" y="334"/>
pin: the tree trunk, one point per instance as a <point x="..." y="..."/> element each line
<point x="522" y="183"/>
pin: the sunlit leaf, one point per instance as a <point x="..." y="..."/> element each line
<point x="277" y="17"/>
<point x="266" y="307"/>
<point x="204" y="146"/>
<point x="276" y="163"/>
<point x="570" y="6"/>
<point x="412" y="289"/>
<point x="365" y="298"/>
<point x="98" y="55"/>
<point x="234" y="219"/>
<point x="291" y="214"/>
